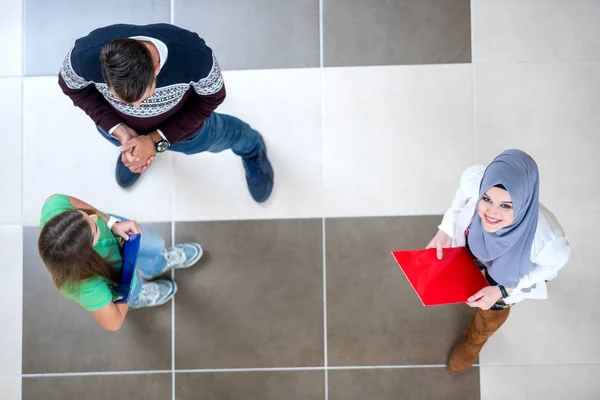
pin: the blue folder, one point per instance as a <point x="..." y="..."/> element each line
<point x="131" y="250"/>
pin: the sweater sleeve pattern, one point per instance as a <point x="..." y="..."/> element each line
<point x="212" y="83"/>
<point x="73" y="81"/>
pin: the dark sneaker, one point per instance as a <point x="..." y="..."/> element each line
<point x="125" y="178"/>
<point x="181" y="256"/>
<point x="155" y="293"/>
<point x="259" y="175"/>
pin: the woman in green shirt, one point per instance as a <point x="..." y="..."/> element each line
<point x="80" y="247"/>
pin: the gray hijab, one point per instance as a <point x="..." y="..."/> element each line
<point x="507" y="252"/>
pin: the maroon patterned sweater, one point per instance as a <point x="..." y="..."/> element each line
<point x="173" y="108"/>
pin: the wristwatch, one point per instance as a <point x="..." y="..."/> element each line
<point x="111" y="221"/>
<point x="161" y="145"/>
<point x="503" y="291"/>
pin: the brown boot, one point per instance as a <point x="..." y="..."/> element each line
<point x="483" y="325"/>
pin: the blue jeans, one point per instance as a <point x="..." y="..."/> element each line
<point x="219" y="132"/>
<point x="150" y="260"/>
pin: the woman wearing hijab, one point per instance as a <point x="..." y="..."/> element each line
<point x="517" y="243"/>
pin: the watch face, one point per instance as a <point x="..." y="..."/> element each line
<point x="162" y="146"/>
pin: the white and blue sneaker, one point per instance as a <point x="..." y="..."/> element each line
<point x="155" y="293"/>
<point x="181" y="256"/>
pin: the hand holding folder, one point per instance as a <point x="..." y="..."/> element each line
<point x="453" y="279"/>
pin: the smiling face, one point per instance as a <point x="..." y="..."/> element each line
<point x="93" y="221"/>
<point x="495" y="210"/>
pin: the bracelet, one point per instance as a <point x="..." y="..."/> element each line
<point x="111" y="221"/>
<point x="503" y="291"/>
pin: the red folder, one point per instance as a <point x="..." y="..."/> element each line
<point x="451" y="280"/>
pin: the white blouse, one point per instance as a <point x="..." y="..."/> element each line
<point x="549" y="252"/>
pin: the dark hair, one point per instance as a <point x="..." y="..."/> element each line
<point x="127" y="68"/>
<point x="500" y="186"/>
<point x="65" y="246"/>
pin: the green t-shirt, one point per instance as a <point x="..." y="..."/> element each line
<point x="95" y="292"/>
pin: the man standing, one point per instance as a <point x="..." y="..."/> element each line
<point x="154" y="88"/>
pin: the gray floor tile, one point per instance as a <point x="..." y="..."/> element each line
<point x="373" y="315"/>
<point x="396" y="32"/>
<point x="257" y="34"/>
<point x="67" y="20"/>
<point x="288" y="385"/>
<point x="129" y="387"/>
<point x="60" y="336"/>
<point x="256" y="300"/>
<point x="403" y="384"/>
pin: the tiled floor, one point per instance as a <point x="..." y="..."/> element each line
<point x="293" y="385"/>
<point x="377" y="141"/>
<point x="43" y="53"/>
<point x="373" y="316"/>
<point x="256" y="301"/>
<point x="383" y="32"/>
<point x="401" y="383"/>
<point x="267" y="34"/>
<point x="371" y="110"/>
<point x="97" y="387"/>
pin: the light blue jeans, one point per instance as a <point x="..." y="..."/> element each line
<point x="150" y="260"/>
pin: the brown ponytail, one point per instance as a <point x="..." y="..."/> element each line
<point x="65" y="246"/>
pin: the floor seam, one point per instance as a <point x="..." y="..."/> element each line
<point x="323" y="233"/>
<point x="213" y="370"/>
<point x="284" y="369"/>
<point x="325" y="354"/>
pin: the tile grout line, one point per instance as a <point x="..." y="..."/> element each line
<point x="22" y="77"/>
<point x="473" y="110"/>
<point x="323" y="232"/>
<point x="23" y="38"/>
<point x="173" y="320"/>
<point x="323" y="368"/>
<point x="474" y="149"/>
<point x="325" y="355"/>
<point x="173" y="194"/>
<point x="96" y="373"/>
<point x="555" y="364"/>
<point x="473" y="86"/>
<point x="283" y="369"/>
<point x="321" y="49"/>
<point x="22" y="88"/>
<point x="216" y="370"/>
<point x="316" y="368"/>
<point x="172" y="11"/>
